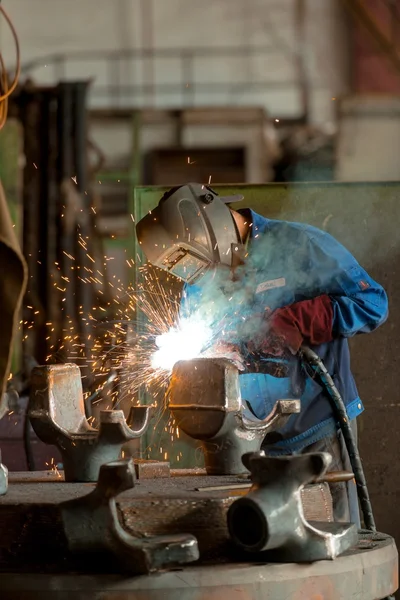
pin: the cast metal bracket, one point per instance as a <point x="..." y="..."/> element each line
<point x="91" y="524"/>
<point x="276" y="419"/>
<point x="204" y="397"/>
<point x="4" y="407"/>
<point x="270" y="516"/>
<point x="3" y="478"/>
<point x="3" y="468"/>
<point x="57" y="413"/>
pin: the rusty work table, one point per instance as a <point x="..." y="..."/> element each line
<point x="49" y="488"/>
<point x="35" y="561"/>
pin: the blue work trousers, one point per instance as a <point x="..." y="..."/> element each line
<point x="344" y="494"/>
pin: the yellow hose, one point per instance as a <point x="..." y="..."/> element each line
<point x="7" y="90"/>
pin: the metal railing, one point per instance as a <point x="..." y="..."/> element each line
<point x="122" y="84"/>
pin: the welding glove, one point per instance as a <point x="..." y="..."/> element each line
<point x="307" y="321"/>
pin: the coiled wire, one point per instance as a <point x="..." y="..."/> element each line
<point x="6" y="89"/>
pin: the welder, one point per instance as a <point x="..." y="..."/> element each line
<point x="272" y="286"/>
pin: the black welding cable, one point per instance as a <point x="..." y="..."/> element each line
<point x="315" y="362"/>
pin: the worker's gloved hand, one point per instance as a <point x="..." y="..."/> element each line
<point x="308" y="321"/>
<point x="223" y="349"/>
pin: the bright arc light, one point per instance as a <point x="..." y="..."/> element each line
<point x="182" y="342"/>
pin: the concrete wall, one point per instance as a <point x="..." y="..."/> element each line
<point x="368" y="143"/>
<point x="245" y="128"/>
<point x="48" y="27"/>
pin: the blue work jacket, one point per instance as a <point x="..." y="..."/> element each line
<point x="286" y="263"/>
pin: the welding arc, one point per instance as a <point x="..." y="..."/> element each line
<point x="7" y="90"/>
<point x="315" y="362"/>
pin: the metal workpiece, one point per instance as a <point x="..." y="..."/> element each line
<point x="4" y="404"/>
<point x="204" y="397"/>
<point x="3" y="478"/>
<point x="4" y="407"/>
<point x="271" y="516"/>
<point x="276" y="419"/>
<point x="91" y="525"/>
<point x="56" y="411"/>
<point x="151" y="469"/>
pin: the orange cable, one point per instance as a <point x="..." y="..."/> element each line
<point x="5" y="88"/>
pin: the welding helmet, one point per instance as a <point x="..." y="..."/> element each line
<point x="191" y="232"/>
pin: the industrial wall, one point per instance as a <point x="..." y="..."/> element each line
<point x="369" y="121"/>
<point x="267" y="78"/>
<point x="372" y="70"/>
